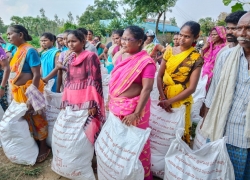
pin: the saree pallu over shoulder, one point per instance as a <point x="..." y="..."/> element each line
<point x="176" y="79"/>
<point x="83" y="90"/>
<point x="127" y="71"/>
<point x="123" y="75"/>
<point x="17" y="62"/>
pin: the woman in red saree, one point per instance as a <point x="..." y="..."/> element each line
<point x="130" y="86"/>
<point x="83" y="86"/>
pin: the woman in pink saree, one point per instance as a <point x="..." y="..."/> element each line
<point x="216" y="41"/>
<point x="130" y="86"/>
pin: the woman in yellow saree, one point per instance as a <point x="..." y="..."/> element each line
<point x="179" y="74"/>
<point x="27" y="86"/>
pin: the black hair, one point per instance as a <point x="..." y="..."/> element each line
<point x="177" y="33"/>
<point x="99" y="37"/>
<point x="119" y="32"/>
<point x="137" y="32"/>
<point x="194" y="27"/>
<point x="21" y="29"/>
<point x="145" y="37"/>
<point x="50" y="36"/>
<point x="83" y="30"/>
<point x="235" y="17"/>
<point x="91" y="32"/>
<point x="78" y="34"/>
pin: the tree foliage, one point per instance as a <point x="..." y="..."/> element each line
<point x="3" y="27"/>
<point x="206" y="25"/>
<point x="238" y="4"/>
<point x="37" y="25"/>
<point x="101" y="10"/>
<point x="145" y="8"/>
<point x="173" y="21"/>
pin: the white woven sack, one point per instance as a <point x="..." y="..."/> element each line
<point x="72" y="151"/>
<point x="198" y="98"/>
<point x="199" y="139"/>
<point x="17" y="142"/>
<point x="118" y="148"/>
<point x="211" y="161"/>
<point x="52" y="109"/>
<point x="164" y="126"/>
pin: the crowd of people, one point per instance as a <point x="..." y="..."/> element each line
<point x="77" y="58"/>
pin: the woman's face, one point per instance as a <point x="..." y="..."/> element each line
<point x="149" y="39"/>
<point x="60" y="41"/>
<point x="176" y="40"/>
<point x="96" y="40"/>
<point x="75" y="44"/>
<point x="215" y="36"/>
<point x="129" y="43"/>
<point x="65" y="37"/>
<point x="117" y="39"/>
<point x="13" y="37"/>
<point x="186" y="38"/>
<point x="90" y="36"/>
<point x="46" y="43"/>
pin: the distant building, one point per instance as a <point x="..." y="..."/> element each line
<point x="151" y="24"/>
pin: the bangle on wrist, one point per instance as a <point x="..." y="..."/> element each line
<point x="1" y="87"/>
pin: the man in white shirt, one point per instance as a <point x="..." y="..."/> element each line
<point x="228" y="100"/>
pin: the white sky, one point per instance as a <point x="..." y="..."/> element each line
<point x="183" y="11"/>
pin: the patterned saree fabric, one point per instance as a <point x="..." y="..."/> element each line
<point x="83" y="90"/>
<point x="211" y="53"/>
<point x="176" y="79"/>
<point x="123" y="75"/>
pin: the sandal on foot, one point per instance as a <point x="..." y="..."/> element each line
<point x="43" y="157"/>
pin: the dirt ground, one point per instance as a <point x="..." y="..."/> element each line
<point x="42" y="171"/>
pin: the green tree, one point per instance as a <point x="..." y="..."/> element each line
<point x="37" y="25"/>
<point x="145" y="8"/>
<point x="238" y="4"/>
<point x="206" y="25"/>
<point x="221" y="19"/>
<point x="173" y="21"/>
<point x="101" y="10"/>
<point x="70" y="18"/>
<point x="3" y="28"/>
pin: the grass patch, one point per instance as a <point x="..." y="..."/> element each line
<point x="16" y="172"/>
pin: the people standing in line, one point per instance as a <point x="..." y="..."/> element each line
<point x="65" y="35"/>
<point x="216" y="41"/>
<point x="231" y="35"/>
<point x="231" y="30"/>
<point x="179" y="74"/>
<point x="49" y="58"/>
<point x="99" y="46"/>
<point x="152" y="46"/>
<point x="90" y="36"/>
<point x="176" y="40"/>
<point x="4" y="76"/>
<point x="131" y="101"/>
<point x="9" y="50"/>
<point x="27" y="86"/>
<point x="59" y="42"/>
<point x="115" y="48"/>
<point x="83" y="86"/>
<point x="88" y="45"/>
<point x="228" y="101"/>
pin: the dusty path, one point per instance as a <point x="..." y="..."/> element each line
<point x="10" y="171"/>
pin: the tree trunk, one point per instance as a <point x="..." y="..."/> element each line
<point x="157" y="22"/>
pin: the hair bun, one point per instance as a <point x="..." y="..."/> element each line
<point x="29" y="38"/>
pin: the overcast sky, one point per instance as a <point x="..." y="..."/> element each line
<point x="183" y="11"/>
